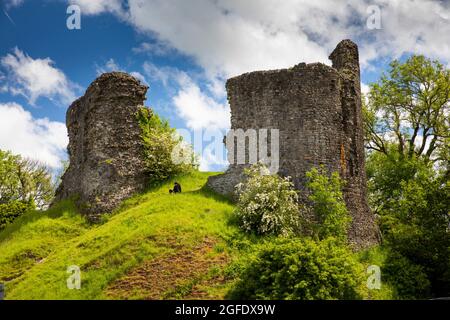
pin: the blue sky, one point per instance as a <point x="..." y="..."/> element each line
<point x="184" y="51"/>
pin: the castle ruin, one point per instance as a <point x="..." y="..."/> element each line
<point x="317" y="109"/>
<point x="105" y="145"/>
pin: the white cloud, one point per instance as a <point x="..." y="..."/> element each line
<point x="34" y="78"/>
<point x="229" y="37"/>
<point x="111" y="66"/>
<point x="39" y="139"/>
<point x="94" y="7"/>
<point x="139" y="76"/>
<point x="155" y="48"/>
<point x="365" y="89"/>
<point x="223" y="41"/>
<point x="162" y="74"/>
<point x="198" y="109"/>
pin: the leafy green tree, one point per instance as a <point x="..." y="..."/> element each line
<point x="24" y="180"/>
<point x="407" y="136"/>
<point x="411" y="200"/>
<point x="8" y="177"/>
<point x="409" y="108"/>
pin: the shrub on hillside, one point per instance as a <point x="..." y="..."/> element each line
<point x="267" y="203"/>
<point x="299" y="269"/>
<point x="165" y="153"/>
<point x="409" y="280"/>
<point x="12" y="210"/>
<point x="330" y="214"/>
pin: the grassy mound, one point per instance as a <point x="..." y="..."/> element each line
<point x="155" y="246"/>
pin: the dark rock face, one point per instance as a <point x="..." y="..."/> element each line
<point x="317" y="109"/>
<point x="105" y="144"/>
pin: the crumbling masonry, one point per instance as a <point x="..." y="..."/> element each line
<point x="105" y="144"/>
<point x="317" y="109"/>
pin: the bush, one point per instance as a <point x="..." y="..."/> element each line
<point x="409" y="280"/>
<point x="300" y="269"/>
<point x="327" y="204"/>
<point x="12" y="210"/>
<point x="267" y="203"/>
<point x="412" y="201"/>
<point x="162" y="146"/>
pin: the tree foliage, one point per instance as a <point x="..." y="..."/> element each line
<point x="411" y="200"/>
<point x="12" y="210"/>
<point x="407" y="135"/>
<point x="409" y="108"/>
<point x="24" y="180"/>
<point x="165" y="153"/>
<point x="332" y="218"/>
<point x="299" y="269"/>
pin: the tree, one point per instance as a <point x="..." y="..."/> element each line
<point x="407" y="135"/>
<point x="24" y="180"/>
<point x="409" y="108"/>
<point x="8" y="177"/>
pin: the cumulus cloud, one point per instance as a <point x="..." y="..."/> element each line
<point x="111" y="65"/>
<point x="34" y="78"/>
<point x="154" y="48"/>
<point x="163" y="74"/>
<point x="94" y="7"/>
<point x="229" y="37"/>
<point x="224" y="41"/>
<point x="198" y="109"/>
<point x="39" y="139"/>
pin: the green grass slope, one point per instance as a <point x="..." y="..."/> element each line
<point x="156" y="246"/>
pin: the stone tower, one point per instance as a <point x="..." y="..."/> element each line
<point x="105" y="145"/>
<point x="317" y="110"/>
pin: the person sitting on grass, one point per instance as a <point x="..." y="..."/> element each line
<point x="176" y="188"/>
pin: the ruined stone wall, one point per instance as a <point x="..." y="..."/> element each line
<point x="317" y="109"/>
<point x="105" y="146"/>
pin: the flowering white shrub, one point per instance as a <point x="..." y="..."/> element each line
<point x="268" y="204"/>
